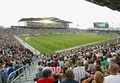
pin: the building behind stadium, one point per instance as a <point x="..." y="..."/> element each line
<point x="47" y="22"/>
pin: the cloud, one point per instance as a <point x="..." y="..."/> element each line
<point x="79" y="12"/>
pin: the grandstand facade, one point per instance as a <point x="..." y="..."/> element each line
<point x="47" y="22"/>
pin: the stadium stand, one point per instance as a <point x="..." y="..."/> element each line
<point x="92" y="58"/>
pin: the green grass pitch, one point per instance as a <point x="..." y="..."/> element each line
<point x="50" y="43"/>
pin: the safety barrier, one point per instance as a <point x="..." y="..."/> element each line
<point x="12" y="78"/>
<point x="0" y="77"/>
<point x="23" y="71"/>
<point x="17" y="74"/>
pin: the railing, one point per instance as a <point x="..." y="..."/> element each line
<point x="12" y="76"/>
<point x="0" y="77"/>
<point x="23" y="71"/>
<point x="17" y="74"/>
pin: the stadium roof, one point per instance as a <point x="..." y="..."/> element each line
<point x="112" y="4"/>
<point x="46" y="18"/>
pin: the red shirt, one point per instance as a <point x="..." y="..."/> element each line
<point x="56" y="69"/>
<point x="46" y="80"/>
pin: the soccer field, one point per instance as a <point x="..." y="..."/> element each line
<point x="50" y="43"/>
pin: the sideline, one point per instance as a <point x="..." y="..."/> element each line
<point x="28" y="46"/>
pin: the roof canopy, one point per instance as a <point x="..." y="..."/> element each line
<point x="112" y="4"/>
<point x="46" y="18"/>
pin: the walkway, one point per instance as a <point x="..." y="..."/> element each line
<point x="29" y="76"/>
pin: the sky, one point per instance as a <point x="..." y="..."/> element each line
<point x="81" y="13"/>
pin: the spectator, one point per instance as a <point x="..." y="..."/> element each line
<point x="96" y="68"/>
<point x="46" y="77"/>
<point x="62" y="75"/>
<point x="9" y="69"/>
<point x="113" y="77"/>
<point x="1" y="67"/>
<point x="40" y="73"/>
<point x="69" y="77"/>
<point x="104" y="63"/>
<point x="97" y="78"/>
<point x="79" y="72"/>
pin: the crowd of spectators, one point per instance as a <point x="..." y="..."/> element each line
<point x="33" y="31"/>
<point x="91" y="64"/>
<point x="94" y="63"/>
<point x="13" y="55"/>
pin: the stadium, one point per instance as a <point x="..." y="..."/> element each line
<point x="47" y="49"/>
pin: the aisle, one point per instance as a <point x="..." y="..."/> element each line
<point x="30" y="74"/>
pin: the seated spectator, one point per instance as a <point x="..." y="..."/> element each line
<point x="91" y="65"/>
<point x="69" y="77"/>
<point x="8" y="70"/>
<point x="39" y="74"/>
<point x="104" y="63"/>
<point x="56" y="71"/>
<point x="39" y="64"/>
<point x="113" y="77"/>
<point x="62" y="75"/>
<point x="98" y="62"/>
<point x="47" y="66"/>
<point x="106" y="72"/>
<point x="79" y="72"/>
<point x="67" y="64"/>
<point x="1" y="67"/>
<point x="86" y="67"/>
<point x="112" y="61"/>
<point x="97" y="78"/>
<point x="96" y="68"/>
<point x="61" y="63"/>
<point x="46" y="77"/>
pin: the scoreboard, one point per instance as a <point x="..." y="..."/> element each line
<point x="101" y="25"/>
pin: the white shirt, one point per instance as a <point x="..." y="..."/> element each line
<point x="61" y="63"/>
<point x="79" y="73"/>
<point x="112" y="79"/>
